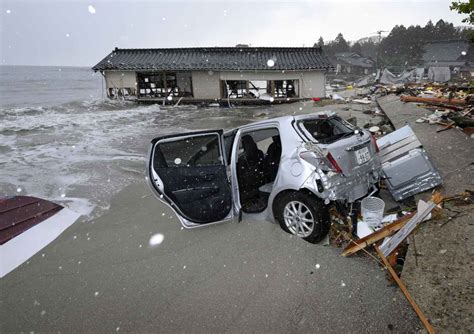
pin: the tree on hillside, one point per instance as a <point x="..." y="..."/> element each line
<point x="357" y="48"/>
<point x="369" y="49"/>
<point x="340" y="44"/>
<point x="465" y="8"/>
<point x="320" y="42"/>
<point x="405" y="46"/>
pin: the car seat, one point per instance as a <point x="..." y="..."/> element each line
<point x="250" y="174"/>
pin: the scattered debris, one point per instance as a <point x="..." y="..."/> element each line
<point x="424" y="209"/>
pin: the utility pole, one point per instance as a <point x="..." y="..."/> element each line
<point x="377" y="61"/>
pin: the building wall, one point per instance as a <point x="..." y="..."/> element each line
<point x="120" y="79"/>
<point x="311" y="83"/>
<point x="206" y="85"/>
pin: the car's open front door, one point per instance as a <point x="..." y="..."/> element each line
<point x="188" y="172"/>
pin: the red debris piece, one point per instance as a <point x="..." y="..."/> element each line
<point x="20" y="213"/>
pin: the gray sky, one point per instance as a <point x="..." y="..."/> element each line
<point x="63" y="33"/>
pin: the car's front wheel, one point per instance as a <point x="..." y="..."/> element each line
<point x="303" y="215"/>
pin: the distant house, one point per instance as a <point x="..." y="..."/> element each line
<point x="452" y="54"/>
<point x="216" y="73"/>
<point x="353" y="63"/>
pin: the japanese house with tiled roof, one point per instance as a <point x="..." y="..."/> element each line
<point x="216" y="74"/>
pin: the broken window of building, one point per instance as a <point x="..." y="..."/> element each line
<point x="235" y="89"/>
<point x="257" y="87"/>
<point x="150" y="84"/>
<point x="164" y="84"/>
<point x="284" y="88"/>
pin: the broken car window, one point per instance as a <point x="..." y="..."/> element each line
<point x="326" y="131"/>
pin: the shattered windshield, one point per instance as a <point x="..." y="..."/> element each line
<point x="326" y="131"/>
<point x="236" y="166"/>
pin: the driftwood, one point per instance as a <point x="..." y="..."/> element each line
<point x="404" y="289"/>
<point x="428" y="100"/>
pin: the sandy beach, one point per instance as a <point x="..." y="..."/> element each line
<point x="102" y="276"/>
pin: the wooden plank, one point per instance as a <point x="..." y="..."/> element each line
<point x="404" y="289"/>
<point x="423" y="211"/>
<point x="446" y="127"/>
<point x="406" y="98"/>
<point x="376" y="236"/>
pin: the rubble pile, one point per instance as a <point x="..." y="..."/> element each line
<point x="450" y="106"/>
<point x="406" y="171"/>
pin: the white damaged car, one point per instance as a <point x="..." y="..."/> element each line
<point x="289" y="169"/>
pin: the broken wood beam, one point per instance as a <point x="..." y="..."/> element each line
<point x="428" y="100"/>
<point x="423" y="211"/>
<point x="404" y="289"/>
<point x="369" y="240"/>
<point x="446" y="126"/>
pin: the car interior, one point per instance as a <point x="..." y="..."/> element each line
<point x="326" y="131"/>
<point x="257" y="167"/>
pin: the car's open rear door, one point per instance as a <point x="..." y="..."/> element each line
<point x="188" y="172"/>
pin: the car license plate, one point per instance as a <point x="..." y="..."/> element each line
<point x="362" y="155"/>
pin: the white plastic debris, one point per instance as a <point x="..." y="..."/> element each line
<point x="390" y="218"/>
<point x="374" y="129"/>
<point x="362" y="101"/>
<point x="363" y="229"/>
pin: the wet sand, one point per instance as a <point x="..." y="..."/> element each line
<point x="102" y="276"/>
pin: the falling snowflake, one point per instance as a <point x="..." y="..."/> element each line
<point x="464" y="53"/>
<point x="96" y="293"/>
<point x="156" y="239"/>
<point x="177" y="161"/>
<point x="343" y="284"/>
<point x="169" y="98"/>
<point x="67" y="35"/>
<point x="91" y="9"/>
<point x="18" y="190"/>
<point x="184" y="267"/>
<point x="63" y="195"/>
<point x="8" y="11"/>
<point x="317" y="266"/>
<point x="270" y="63"/>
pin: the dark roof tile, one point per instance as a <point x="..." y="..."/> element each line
<point x="217" y="58"/>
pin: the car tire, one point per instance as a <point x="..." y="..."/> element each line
<point x="303" y="215"/>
